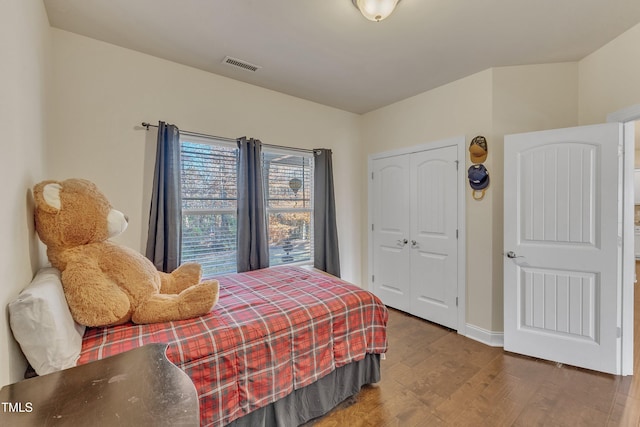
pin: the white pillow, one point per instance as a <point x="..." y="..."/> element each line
<point x="42" y="324"/>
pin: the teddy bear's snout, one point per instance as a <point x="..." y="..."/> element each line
<point x="117" y="222"/>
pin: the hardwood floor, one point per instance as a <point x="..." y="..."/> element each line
<point x="432" y="377"/>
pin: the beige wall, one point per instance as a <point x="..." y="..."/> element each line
<point x="103" y="92"/>
<point x="609" y="78"/>
<point x="525" y="99"/>
<point x="24" y="43"/>
<point x="491" y="103"/>
<point x="459" y="108"/>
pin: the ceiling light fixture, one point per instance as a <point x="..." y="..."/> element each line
<point x="375" y="10"/>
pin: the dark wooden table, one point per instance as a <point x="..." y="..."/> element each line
<point x="137" y="388"/>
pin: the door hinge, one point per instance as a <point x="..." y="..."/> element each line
<point x="456" y="234"/>
<point x="371" y="175"/>
<point x="619" y="332"/>
<point x="456" y="301"/>
<point x="457" y="164"/>
<point x="373" y="278"/>
<point x="620" y="150"/>
<point x="372" y="227"/>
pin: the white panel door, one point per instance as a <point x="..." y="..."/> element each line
<point x="391" y="231"/>
<point x="562" y="256"/>
<point x="433" y="240"/>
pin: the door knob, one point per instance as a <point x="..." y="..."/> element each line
<point x="403" y="242"/>
<point x="511" y="254"/>
<point x="414" y="244"/>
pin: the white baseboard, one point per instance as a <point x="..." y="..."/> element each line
<point x="493" y="339"/>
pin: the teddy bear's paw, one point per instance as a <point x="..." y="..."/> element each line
<point x="188" y="270"/>
<point x="93" y="299"/>
<point x="213" y="284"/>
<point x="194" y="301"/>
<point x="181" y="278"/>
<point x="199" y="299"/>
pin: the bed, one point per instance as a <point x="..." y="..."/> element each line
<point x="282" y="346"/>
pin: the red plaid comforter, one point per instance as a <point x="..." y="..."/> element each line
<point x="272" y="331"/>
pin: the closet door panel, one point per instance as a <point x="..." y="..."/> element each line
<point x="433" y="241"/>
<point x="391" y="261"/>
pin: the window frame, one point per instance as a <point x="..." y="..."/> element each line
<point x="310" y="208"/>
<point x="211" y="141"/>
<point x="266" y="149"/>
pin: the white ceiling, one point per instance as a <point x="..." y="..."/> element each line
<point x="325" y="51"/>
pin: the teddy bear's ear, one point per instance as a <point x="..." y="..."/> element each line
<point x="47" y="196"/>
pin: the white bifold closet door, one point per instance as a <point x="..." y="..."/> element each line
<point x="415" y="260"/>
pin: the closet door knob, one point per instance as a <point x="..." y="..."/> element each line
<point x="402" y="243"/>
<point x="414" y="244"/>
<point x="512" y="255"/>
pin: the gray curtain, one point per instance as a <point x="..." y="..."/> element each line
<point x="165" y="218"/>
<point x="253" y="246"/>
<point x="325" y="232"/>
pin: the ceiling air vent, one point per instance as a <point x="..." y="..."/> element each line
<point x="239" y="63"/>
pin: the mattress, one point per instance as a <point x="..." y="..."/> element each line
<point x="273" y="331"/>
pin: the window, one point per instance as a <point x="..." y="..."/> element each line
<point x="209" y="204"/>
<point x="288" y="185"/>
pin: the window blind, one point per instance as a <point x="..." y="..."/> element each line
<point x="209" y="202"/>
<point x="288" y="178"/>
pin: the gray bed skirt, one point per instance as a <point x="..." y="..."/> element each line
<point x="315" y="399"/>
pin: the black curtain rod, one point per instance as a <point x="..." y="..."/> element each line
<point x="186" y="132"/>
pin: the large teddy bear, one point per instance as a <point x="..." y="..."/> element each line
<point x="105" y="283"/>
